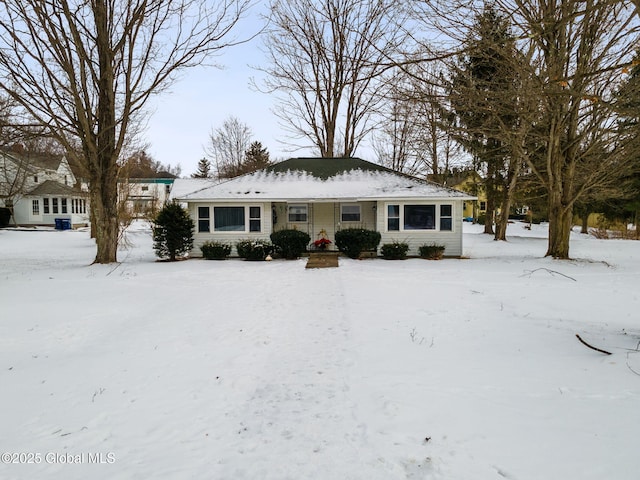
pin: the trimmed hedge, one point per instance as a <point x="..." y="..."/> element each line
<point x="290" y="243"/>
<point x="353" y="241"/>
<point x="394" y="251"/>
<point x="254" y="250"/>
<point x="215" y="250"/>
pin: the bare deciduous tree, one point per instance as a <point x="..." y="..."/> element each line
<point x="325" y="58"/>
<point x="227" y="146"/>
<point x="85" y="70"/>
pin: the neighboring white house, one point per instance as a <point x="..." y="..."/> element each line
<point x="42" y="188"/>
<point x="144" y="197"/>
<point x="325" y="195"/>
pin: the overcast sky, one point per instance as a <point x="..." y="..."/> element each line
<point x="182" y="118"/>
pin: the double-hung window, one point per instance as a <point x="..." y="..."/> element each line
<point x="63" y="205"/>
<point x="254" y="219"/>
<point x="54" y="204"/>
<point x="446" y="218"/>
<point x="45" y="205"/>
<point x="393" y="217"/>
<point x="350" y="213"/>
<point x="204" y="216"/>
<point x="35" y="207"/>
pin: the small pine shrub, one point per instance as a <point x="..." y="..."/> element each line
<point x="431" y="252"/>
<point x="254" y="250"/>
<point x="353" y="241"/>
<point x="290" y="243"/>
<point x="394" y="251"/>
<point x="172" y="232"/>
<point x="215" y="250"/>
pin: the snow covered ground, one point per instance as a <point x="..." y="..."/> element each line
<point x="462" y="369"/>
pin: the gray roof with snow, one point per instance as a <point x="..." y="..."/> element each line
<point x="300" y="179"/>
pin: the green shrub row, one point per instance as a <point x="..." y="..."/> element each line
<point x="215" y="250"/>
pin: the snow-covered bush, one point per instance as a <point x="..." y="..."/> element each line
<point x="254" y="249"/>
<point x="290" y="243"/>
<point x="215" y="250"/>
<point x="431" y="252"/>
<point x="353" y="241"/>
<point x="395" y="250"/>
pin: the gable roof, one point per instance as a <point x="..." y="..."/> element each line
<point x="49" y="187"/>
<point x="303" y="179"/>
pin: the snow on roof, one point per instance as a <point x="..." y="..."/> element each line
<point x="354" y="184"/>
<point x="183" y="186"/>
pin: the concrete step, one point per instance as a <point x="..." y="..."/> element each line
<point x="322" y="260"/>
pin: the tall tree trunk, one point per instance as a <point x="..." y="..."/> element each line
<point x="488" y="218"/>
<point x="507" y="198"/>
<point x="560" y="222"/>
<point x="106" y="221"/>
<point x="585" y="221"/>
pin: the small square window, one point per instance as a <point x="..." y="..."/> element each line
<point x="350" y="213"/>
<point x="297" y="213"/>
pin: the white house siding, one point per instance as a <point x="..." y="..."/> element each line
<point x="452" y="240"/>
<point x="229" y="237"/>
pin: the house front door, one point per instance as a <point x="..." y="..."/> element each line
<point x="324" y="219"/>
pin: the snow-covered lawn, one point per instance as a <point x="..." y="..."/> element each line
<point x="456" y="370"/>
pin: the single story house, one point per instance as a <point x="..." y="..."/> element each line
<point x="323" y="195"/>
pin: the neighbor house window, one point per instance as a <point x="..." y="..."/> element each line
<point x="63" y="205"/>
<point x="393" y="217"/>
<point x="228" y="219"/>
<point x="483" y="206"/>
<point x="204" y="219"/>
<point x="350" y="213"/>
<point x="419" y="217"/>
<point x="298" y="213"/>
<point x="35" y="207"/>
<point x="45" y="205"/>
<point x="254" y="219"/>
<point x="35" y="179"/>
<point x="145" y="188"/>
<point x="446" y="220"/>
<point x="54" y="203"/>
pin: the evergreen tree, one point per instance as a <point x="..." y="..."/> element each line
<point x="255" y="158"/>
<point x="204" y="169"/>
<point x="482" y="94"/>
<point x="172" y="232"/>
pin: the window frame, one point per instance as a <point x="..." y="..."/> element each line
<point x="45" y="206"/>
<point x="35" y="207"/>
<point x="400" y="218"/>
<point x="448" y="217"/>
<point x="298" y="205"/>
<point x="252" y="216"/>
<point x="204" y="222"/>
<point x="54" y="205"/>
<point x="350" y="205"/>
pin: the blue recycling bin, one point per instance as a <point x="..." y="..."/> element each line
<point x="63" y="223"/>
